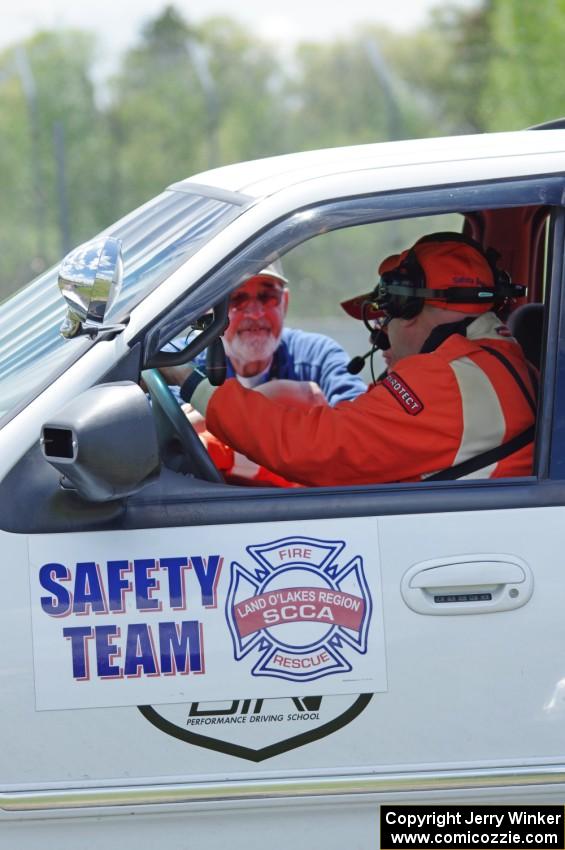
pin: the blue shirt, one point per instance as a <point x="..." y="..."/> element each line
<point x="304" y="356"/>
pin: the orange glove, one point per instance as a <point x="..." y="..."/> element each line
<point x="237" y="469"/>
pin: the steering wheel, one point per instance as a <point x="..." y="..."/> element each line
<point x="164" y="400"/>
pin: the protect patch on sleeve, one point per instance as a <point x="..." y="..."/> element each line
<point x="406" y="397"/>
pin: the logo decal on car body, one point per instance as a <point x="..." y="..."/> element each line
<point x="300" y="609"/>
<point x="257" y="730"/>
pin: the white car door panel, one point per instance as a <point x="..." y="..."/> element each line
<point x="481" y="690"/>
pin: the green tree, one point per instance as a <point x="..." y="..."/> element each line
<point x="20" y="242"/>
<point x="189" y="98"/>
<point x="249" y="82"/>
<point x="335" y="96"/>
<point x="55" y="187"/>
<point x="155" y="112"/>
<point x="374" y="86"/>
<point x="443" y="66"/>
<point x="525" y="82"/>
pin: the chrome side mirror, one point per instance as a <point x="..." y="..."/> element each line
<point x="90" y="278"/>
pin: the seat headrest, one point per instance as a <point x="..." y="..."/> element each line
<point x="526" y="325"/>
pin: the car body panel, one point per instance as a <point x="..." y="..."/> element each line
<point x="468" y="706"/>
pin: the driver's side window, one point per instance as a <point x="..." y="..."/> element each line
<point x="284" y="315"/>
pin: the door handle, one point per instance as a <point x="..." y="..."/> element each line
<point x="468" y="584"/>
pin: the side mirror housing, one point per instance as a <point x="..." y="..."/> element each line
<point x="90" y="278"/>
<point x="104" y="442"/>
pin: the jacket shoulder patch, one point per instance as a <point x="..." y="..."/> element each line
<point x="400" y="390"/>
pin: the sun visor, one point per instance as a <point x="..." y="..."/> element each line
<point x="355" y="307"/>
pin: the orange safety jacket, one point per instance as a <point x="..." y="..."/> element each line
<point x="435" y="410"/>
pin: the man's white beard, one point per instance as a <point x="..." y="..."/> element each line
<point x="252" y="345"/>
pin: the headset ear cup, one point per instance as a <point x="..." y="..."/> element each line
<point x="409" y="272"/>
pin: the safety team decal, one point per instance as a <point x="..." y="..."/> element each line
<point x="165" y="616"/>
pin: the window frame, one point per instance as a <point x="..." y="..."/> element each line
<point x="175" y="500"/>
<point x="306" y="223"/>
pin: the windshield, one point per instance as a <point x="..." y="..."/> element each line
<point x="156" y="239"/>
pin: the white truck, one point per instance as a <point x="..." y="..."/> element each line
<point x="413" y="649"/>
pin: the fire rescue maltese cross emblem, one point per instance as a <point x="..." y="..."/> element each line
<point x="302" y="606"/>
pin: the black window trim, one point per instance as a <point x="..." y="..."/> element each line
<point x="555" y="307"/>
<point x="175" y="500"/>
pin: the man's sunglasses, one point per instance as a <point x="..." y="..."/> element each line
<point x="267" y="298"/>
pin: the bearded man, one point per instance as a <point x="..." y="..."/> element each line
<point x="260" y="349"/>
<point x="293" y="367"/>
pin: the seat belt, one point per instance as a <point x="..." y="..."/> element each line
<point x="498" y="453"/>
<point x="516" y="375"/>
<point x="486" y="458"/>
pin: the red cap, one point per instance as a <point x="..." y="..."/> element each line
<point x="455" y="264"/>
<point x="354" y="306"/>
<point x="445" y="264"/>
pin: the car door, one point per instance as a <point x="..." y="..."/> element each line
<point x="282" y="662"/>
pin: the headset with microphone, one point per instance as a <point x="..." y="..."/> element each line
<point x="379" y="342"/>
<point x="402" y="291"/>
